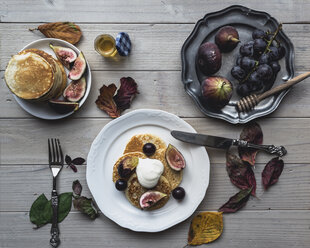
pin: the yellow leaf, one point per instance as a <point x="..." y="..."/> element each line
<point x="205" y="228"/>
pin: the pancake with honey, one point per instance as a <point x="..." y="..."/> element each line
<point x="134" y="191"/>
<point x="137" y="142"/>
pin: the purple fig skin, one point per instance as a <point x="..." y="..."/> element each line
<point x="209" y="58"/>
<point x="227" y="38"/>
<point x="217" y="91"/>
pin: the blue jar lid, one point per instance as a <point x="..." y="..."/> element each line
<point x="123" y="44"/>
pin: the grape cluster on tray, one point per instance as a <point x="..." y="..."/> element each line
<point x="257" y="64"/>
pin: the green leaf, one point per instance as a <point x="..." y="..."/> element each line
<point x="64" y="207"/>
<point x="38" y="211"/>
<point x="41" y="211"/>
<point x="85" y="205"/>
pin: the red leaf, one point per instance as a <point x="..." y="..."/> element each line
<point x="240" y="174"/>
<point x="126" y="93"/>
<point x="105" y="100"/>
<point x="236" y="202"/>
<point x="78" y="161"/>
<point x="272" y="172"/>
<point x="253" y="134"/>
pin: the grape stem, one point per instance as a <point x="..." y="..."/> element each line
<point x="266" y="50"/>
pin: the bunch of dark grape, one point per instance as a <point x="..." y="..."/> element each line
<point x="257" y="64"/>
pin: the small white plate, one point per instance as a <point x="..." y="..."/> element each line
<point x="42" y="109"/>
<point x="109" y="145"/>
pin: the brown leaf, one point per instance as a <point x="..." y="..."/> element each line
<point x="252" y="133"/>
<point x="105" y="100"/>
<point x="240" y="173"/>
<point x="272" y="172"/>
<point x="205" y="228"/>
<point x="236" y="202"/>
<point x="67" y="31"/>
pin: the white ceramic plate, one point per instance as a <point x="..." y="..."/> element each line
<point x="109" y="145"/>
<point x="42" y="109"/>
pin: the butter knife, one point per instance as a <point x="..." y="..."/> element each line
<point x="225" y="143"/>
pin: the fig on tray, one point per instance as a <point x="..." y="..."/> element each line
<point x="216" y="91"/>
<point x="209" y="58"/>
<point x="227" y="38"/>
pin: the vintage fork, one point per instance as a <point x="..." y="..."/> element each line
<point x="56" y="162"/>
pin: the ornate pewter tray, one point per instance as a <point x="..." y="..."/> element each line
<point x="245" y="20"/>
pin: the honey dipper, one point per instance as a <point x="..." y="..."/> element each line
<point x="247" y="103"/>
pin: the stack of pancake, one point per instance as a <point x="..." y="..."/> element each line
<point x="168" y="181"/>
<point x="35" y="75"/>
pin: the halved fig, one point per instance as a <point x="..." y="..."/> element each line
<point x="175" y="158"/>
<point x="75" y="90"/>
<point x="65" y="55"/>
<point x="127" y="166"/>
<point x="150" y="198"/>
<point x="62" y="107"/>
<point x="78" y="68"/>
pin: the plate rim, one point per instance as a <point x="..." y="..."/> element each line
<point x="146" y="228"/>
<point x="231" y="120"/>
<point x="59" y="116"/>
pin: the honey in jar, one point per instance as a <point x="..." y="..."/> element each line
<point x="105" y="45"/>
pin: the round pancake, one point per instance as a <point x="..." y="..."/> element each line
<point x="174" y="177"/>
<point x="134" y="191"/>
<point x="57" y="68"/>
<point x="49" y="58"/>
<point x="115" y="175"/>
<point x="29" y="76"/>
<point x="137" y="142"/>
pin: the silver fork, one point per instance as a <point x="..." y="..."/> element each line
<point x="56" y="162"/>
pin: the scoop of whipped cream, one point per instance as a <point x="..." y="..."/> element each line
<point x="149" y="171"/>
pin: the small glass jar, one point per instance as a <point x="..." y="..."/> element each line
<point x="105" y="45"/>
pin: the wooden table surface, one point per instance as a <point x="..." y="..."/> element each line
<point x="277" y="218"/>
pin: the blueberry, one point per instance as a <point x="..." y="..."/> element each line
<point x="149" y="149"/>
<point x="121" y="184"/>
<point x="178" y="193"/>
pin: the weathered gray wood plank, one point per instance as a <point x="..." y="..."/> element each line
<point x="158" y="90"/>
<point x="21" y="185"/>
<point x="24" y="141"/>
<point x="168" y="11"/>
<point x="155" y="46"/>
<point x="244" y="229"/>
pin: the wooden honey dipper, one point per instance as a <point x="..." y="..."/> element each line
<point x="249" y="102"/>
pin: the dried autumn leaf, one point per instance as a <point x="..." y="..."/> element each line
<point x="205" y="228"/>
<point x="105" y="100"/>
<point x="77" y="187"/>
<point x="252" y="133"/>
<point x="272" y="172"/>
<point x="67" y="31"/>
<point x="126" y="93"/>
<point x="236" y="202"/>
<point x="240" y="173"/>
<point x="86" y="206"/>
